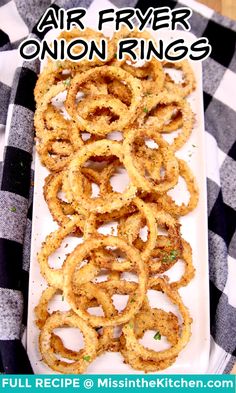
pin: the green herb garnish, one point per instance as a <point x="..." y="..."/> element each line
<point x="13" y="209"/>
<point x="170" y="257"/>
<point x="165" y="259"/>
<point x="87" y="358"/>
<point x="115" y="56"/>
<point x="67" y="81"/>
<point x="173" y="255"/>
<point x="145" y="110"/>
<point x="157" y="336"/>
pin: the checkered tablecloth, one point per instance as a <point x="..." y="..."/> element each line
<point x="17" y="80"/>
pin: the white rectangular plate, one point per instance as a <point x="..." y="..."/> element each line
<point x="194" y="358"/>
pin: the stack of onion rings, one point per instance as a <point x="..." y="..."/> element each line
<point x="75" y="143"/>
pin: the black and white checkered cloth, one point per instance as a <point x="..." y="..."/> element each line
<point x="17" y="80"/>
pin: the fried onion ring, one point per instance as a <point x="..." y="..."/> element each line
<point x="104" y="71"/>
<point x="131" y="342"/>
<point x="79" y="254"/>
<point x="133" y="168"/>
<point x="73" y="186"/>
<point x="85" y="356"/>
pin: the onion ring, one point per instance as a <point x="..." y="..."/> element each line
<point x="79" y="254"/>
<point x="148" y="354"/>
<point x="85" y="356"/>
<point x="112" y="72"/>
<point x="73" y="188"/>
<point x="171" y="166"/>
<point x="167" y="203"/>
<point x="189" y="82"/>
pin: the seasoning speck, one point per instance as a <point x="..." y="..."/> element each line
<point x="67" y="81"/>
<point x="157" y="336"/>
